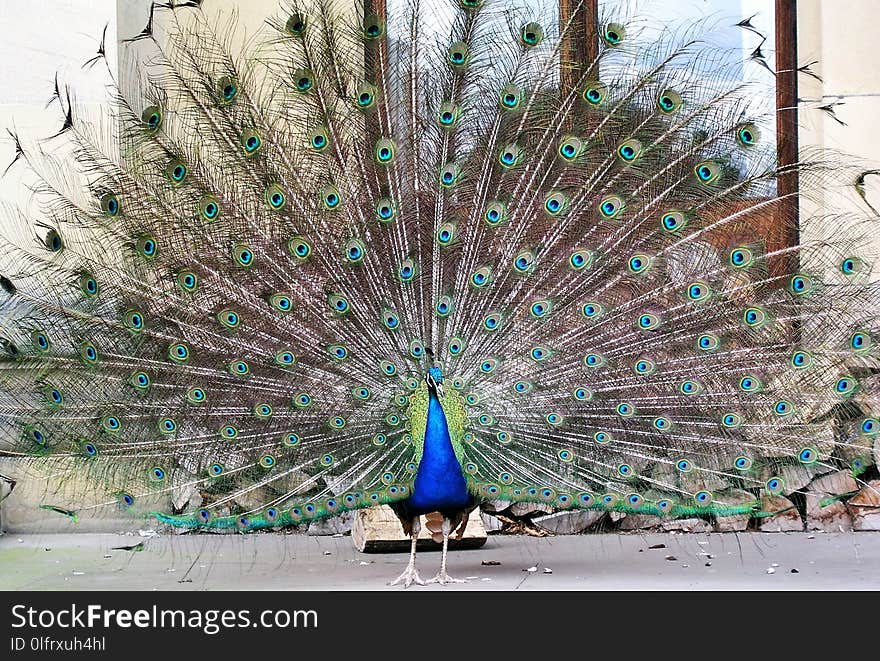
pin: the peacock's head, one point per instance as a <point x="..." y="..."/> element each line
<point x="434" y="375"/>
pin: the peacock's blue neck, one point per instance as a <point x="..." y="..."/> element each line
<point x="439" y="483"/>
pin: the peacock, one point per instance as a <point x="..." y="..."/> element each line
<point x="427" y="256"/>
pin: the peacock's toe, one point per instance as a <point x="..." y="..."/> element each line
<point x="408" y="577"/>
<point x="443" y="578"/>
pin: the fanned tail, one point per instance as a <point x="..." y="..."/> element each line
<point x="240" y="290"/>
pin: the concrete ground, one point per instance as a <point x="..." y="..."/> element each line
<point x="731" y="561"/>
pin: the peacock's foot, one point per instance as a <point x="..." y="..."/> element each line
<point x="443" y="578"/>
<point x="408" y="577"/>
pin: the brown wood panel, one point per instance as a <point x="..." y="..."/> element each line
<point x="580" y="45"/>
<point x="785" y="232"/>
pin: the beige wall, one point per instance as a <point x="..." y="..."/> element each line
<point x="132" y="14"/>
<point x="40" y="38"/>
<point x="845" y="39"/>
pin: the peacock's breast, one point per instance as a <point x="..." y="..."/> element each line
<point x="439" y="483"/>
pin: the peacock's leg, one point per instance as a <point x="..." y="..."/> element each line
<point x="461" y="526"/>
<point x="410" y="575"/>
<point x="442" y="577"/>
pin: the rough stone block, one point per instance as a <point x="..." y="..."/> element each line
<point x="524" y="509"/>
<point x="491" y="523"/>
<point x="638" y="522"/>
<point x="736" y="522"/>
<point x="865" y="507"/>
<point x="864" y="518"/>
<point x="868" y="496"/>
<point x="686" y="525"/>
<point x="835" y="483"/>
<point x="795" y="477"/>
<point x="786" y="518"/>
<point x="186" y="498"/>
<point x="493" y="506"/>
<point x="337" y="525"/>
<point x="568" y="523"/>
<point x="828" y="516"/>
